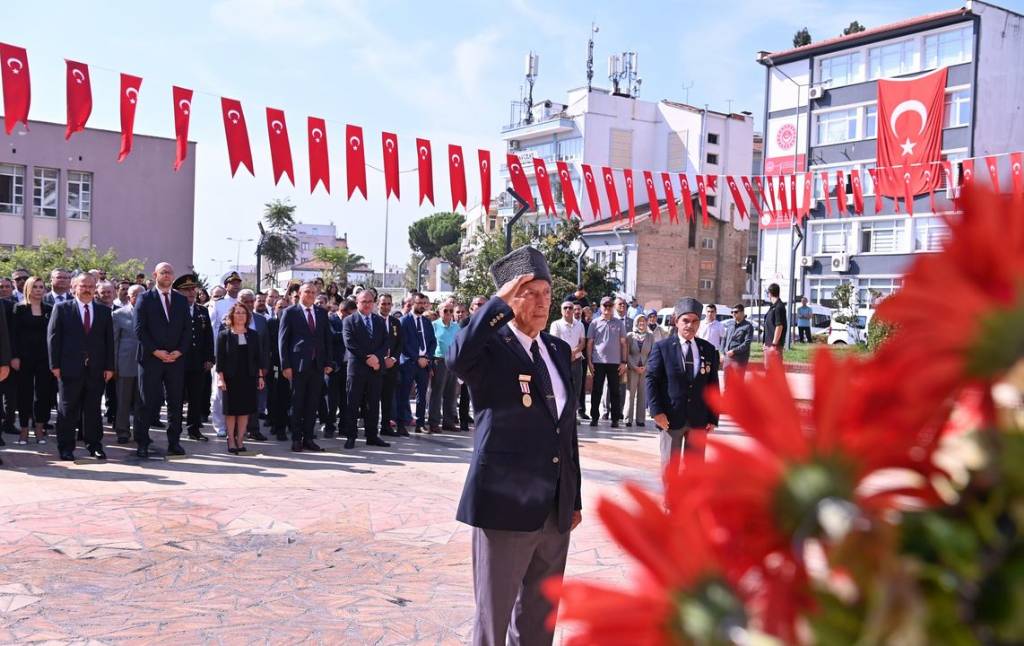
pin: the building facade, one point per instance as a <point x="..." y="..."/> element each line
<point x="821" y="114"/>
<point x="313" y="236"/>
<point x="52" y="189"/>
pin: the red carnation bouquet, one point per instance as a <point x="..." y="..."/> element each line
<point x="888" y="512"/>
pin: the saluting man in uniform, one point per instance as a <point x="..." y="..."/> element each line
<point x="522" y="492"/>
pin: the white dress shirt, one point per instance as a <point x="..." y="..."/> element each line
<point x="418" y="320"/>
<point x="556" y="379"/>
<point x="59" y="298"/>
<point x="694" y="352"/>
<point x="165" y="303"/>
<point x="220" y="310"/>
<point x="92" y="311"/>
<point x="571" y="333"/>
<point x="711" y="332"/>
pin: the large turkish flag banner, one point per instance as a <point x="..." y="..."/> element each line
<point x="910" y="133"/>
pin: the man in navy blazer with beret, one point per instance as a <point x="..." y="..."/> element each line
<point x="305" y="344"/>
<point x="522" y="492"/>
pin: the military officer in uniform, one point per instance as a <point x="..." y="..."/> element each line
<point x="680" y="371"/>
<point x="522" y="492"/>
<point x="198" y="356"/>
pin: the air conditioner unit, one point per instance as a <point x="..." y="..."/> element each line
<point x="840" y="262"/>
<point x="806" y="261"/>
<point x="815" y="92"/>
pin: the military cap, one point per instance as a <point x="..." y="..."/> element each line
<point x="688" y="306"/>
<point x="522" y="261"/>
<point x="229" y="277"/>
<point x="185" y="281"/>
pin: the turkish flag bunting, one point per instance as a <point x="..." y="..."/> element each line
<point x="568" y="192"/>
<point x="627" y="174"/>
<point x="613" y="195"/>
<point x="1017" y="175"/>
<point x="652" y="196"/>
<point x="519" y="182"/>
<point x="280" y="148"/>
<point x="355" y="160"/>
<point x="592" y="194"/>
<point x="931" y="193"/>
<point x="805" y="209"/>
<point x="237" y="135"/>
<point x="182" y="112"/>
<point x="670" y="199"/>
<point x="841" y="192"/>
<point x="457" y="175"/>
<point x="993" y="172"/>
<point x="909" y="132"/>
<point x="319" y="160"/>
<point x="947" y="170"/>
<point x="702" y="196"/>
<point x="828" y="193"/>
<point x="756" y="203"/>
<point x="686" y="197"/>
<point x="771" y="193"/>
<point x="425" y="165"/>
<point x="17" y="88"/>
<point x="737" y="197"/>
<point x="858" y="192"/>
<point x="783" y="199"/>
<point x="540" y="174"/>
<point x="967" y="172"/>
<point x="908" y="195"/>
<point x="129" y="101"/>
<point x="484" y="161"/>
<point x="79" y="97"/>
<point x="389" y="148"/>
<point x="792" y="195"/>
<point x="878" y="196"/>
<point x="759" y="184"/>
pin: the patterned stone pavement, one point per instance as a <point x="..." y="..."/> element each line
<point x="343" y="547"/>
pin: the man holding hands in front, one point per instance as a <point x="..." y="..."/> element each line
<point x="304" y="341"/>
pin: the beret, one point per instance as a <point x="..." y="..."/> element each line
<point x="688" y="306"/>
<point x="522" y="261"/>
<point x="185" y="281"/>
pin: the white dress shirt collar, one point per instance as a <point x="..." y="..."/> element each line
<point x="557" y="385"/>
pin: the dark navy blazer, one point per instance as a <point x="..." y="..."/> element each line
<point x="70" y="348"/>
<point x="300" y="348"/>
<point x="525" y="463"/>
<point x="359" y="343"/>
<point x="411" y="338"/>
<point x="678" y="395"/>
<point x="155" y="331"/>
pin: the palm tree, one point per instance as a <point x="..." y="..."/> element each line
<point x="280" y="244"/>
<point x="342" y="262"/>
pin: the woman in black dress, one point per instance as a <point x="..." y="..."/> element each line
<point x="238" y="373"/>
<point x="31" y="367"/>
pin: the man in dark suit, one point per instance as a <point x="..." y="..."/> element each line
<point x="522" y="492"/>
<point x="680" y="371"/>
<point x="333" y="406"/>
<point x="80" y="341"/>
<point x="389" y="371"/>
<point x="198" y="358"/>
<point x="278" y="389"/>
<point x="164" y="328"/>
<point x="305" y="345"/>
<point x="366" y="341"/>
<point x="418" y="346"/>
<point x="5" y="353"/>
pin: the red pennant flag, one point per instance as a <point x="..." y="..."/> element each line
<point x="670" y="199"/>
<point x="841" y="192"/>
<point x="702" y="195"/>
<point x="908" y="195"/>
<point x="425" y="165"/>
<point x="783" y="198"/>
<point x="792" y="195"/>
<point x="967" y="172"/>
<point x="686" y="195"/>
<point x="931" y="191"/>
<point x="947" y="169"/>
<point x="756" y="203"/>
<point x="712" y="181"/>
<point x="858" y="192"/>
<point x="319" y="160"/>
<point x="652" y="196"/>
<point x="627" y="174"/>
<point x="613" y="196"/>
<point x="355" y="160"/>
<point x="828" y="193"/>
<point x="878" y="196"/>
<point x="737" y="197"/>
<point x="993" y="172"/>
<point x="540" y="174"/>
<point x="766" y="219"/>
<point x="129" y="101"/>
<point x="519" y="182"/>
<point x="79" y="97"/>
<point x="237" y="135"/>
<point x="568" y="192"/>
<point x="1017" y="175"/>
<point x="909" y="131"/>
<point x="17" y="88"/>
<point x="806" y="208"/>
<point x="280" y="148"/>
<point x="771" y="193"/>
<point x="592" y="194"/>
<point x="182" y="113"/>
<point x="457" y="176"/>
<point x="484" y="161"/>
<point x="389" y="146"/>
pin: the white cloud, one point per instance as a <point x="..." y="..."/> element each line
<point x="283" y="21"/>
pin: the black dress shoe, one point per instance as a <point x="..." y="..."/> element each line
<point x="582" y="415"/>
<point x="142" y="452"/>
<point x="281" y="436"/>
<point x="232" y="450"/>
<point x="464" y="429"/>
<point x="175" y="449"/>
<point x="197" y="436"/>
<point x="419" y="429"/>
<point x="311" y="446"/>
<point x="593" y="422"/>
<point x="297" y="446"/>
<point x="628" y="423"/>
<point x="98" y="453"/>
<point x="389" y="433"/>
<point x="402" y="432"/>
<point x="376" y="442"/>
<point x="615" y="424"/>
<point x="350" y="443"/>
<point x="434" y="429"/>
<point x="2" y="443"/>
<point x="606" y="416"/>
<point x="67" y="456"/>
<point x="123" y="439"/>
<point x="158" y="424"/>
<point x="448" y="427"/>
<point x="328" y="433"/>
<point x="256" y="436"/>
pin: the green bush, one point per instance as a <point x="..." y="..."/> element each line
<point x="878" y="332"/>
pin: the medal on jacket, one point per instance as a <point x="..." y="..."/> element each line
<point x="524" y="385"/>
<point x="703" y="368"/>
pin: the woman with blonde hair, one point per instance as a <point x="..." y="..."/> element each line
<point x="238" y="373"/>
<point x="35" y="383"/>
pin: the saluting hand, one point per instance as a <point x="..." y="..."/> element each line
<point x="509" y="292"/>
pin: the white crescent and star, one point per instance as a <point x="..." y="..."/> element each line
<point x="514" y="168"/>
<point x="483" y="164"/>
<point x="1016" y="168"/>
<point x="234" y="115"/>
<point x="456" y="160"/>
<point x="650" y="183"/>
<point x="11" y="62"/>
<point x="277" y="126"/>
<point x="353" y="141"/>
<point x="539" y="167"/>
<point x="132" y="94"/>
<point x="668" y="185"/>
<point x="424" y="152"/>
<point x="564" y="175"/>
<point x="184" y="105"/>
<point x="608" y="178"/>
<point x="910" y="105"/>
<point x="389" y="143"/>
<point x="317" y="134"/>
<point x="590" y="178"/>
<point x="78" y="75"/>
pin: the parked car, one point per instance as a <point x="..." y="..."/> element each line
<point x="849" y="333"/>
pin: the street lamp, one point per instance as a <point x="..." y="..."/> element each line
<point x="238" y="251"/>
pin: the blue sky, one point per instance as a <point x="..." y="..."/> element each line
<point x="441" y="70"/>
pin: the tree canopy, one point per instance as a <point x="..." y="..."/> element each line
<point x="438" y="235"/>
<point x="342" y="262"/>
<point x="801" y="38"/>
<point x="280" y="244"/>
<point x="854" y="28"/>
<point x="52" y="254"/>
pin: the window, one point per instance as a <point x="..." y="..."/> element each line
<point x="820" y="290"/>
<point x="866" y="185"/>
<point x="712" y="200"/>
<point x="620" y="153"/>
<point x="707" y="243"/>
<point x="957" y="110"/>
<point x="870" y="291"/>
<point x="713" y="159"/>
<point x="707" y="265"/>
<point x="829" y="237"/>
<point x="304" y="246"/>
<point x="870" y="121"/>
<point x="947" y="48"/>
<point x="570" y="148"/>
<point x="79" y="195"/>
<point x="705" y="283"/>
<point x="836" y="126"/>
<point x="44" y="192"/>
<point x="12" y="188"/>
<point x="929" y="234"/>
<point x="713" y="138"/>
<point x="839" y="70"/>
<point x="891" y="60"/>
<point x="882" y="236"/>
<point x="319" y="245"/>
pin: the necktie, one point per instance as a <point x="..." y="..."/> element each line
<point x="423" y="336"/>
<point x="369" y="325"/>
<point x="167" y="305"/>
<point x="540" y="371"/>
<point x="309" y="319"/>
<point x="87" y="321"/>
<point x="688" y="360"/>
